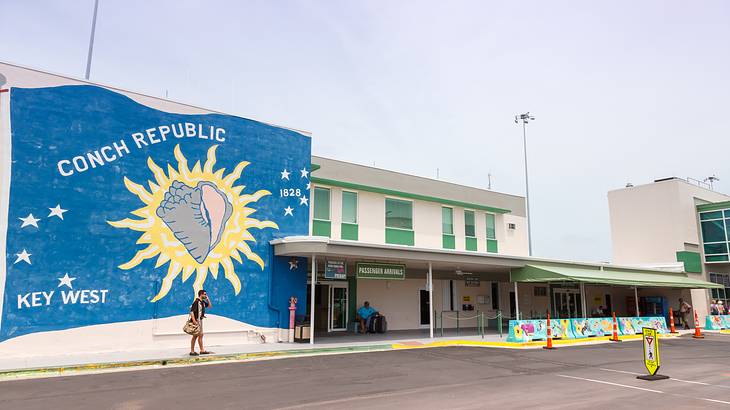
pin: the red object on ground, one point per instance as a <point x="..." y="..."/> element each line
<point x="614" y="337"/>
<point x="549" y="334"/>
<point x="671" y="322"/>
<point x="698" y="333"/>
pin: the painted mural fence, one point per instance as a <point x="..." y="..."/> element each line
<point x="717" y="322"/>
<point x="521" y="331"/>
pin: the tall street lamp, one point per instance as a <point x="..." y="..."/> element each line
<point x="525" y="118"/>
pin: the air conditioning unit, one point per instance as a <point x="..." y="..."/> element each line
<point x="511" y="226"/>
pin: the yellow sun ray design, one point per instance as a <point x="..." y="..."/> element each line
<point x="168" y="249"/>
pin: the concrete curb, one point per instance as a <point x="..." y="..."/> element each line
<point x="56" y="371"/>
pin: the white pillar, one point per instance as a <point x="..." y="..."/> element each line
<point x="517" y="303"/>
<point x="311" y="299"/>
<point x="430" y="301"/>
<point x="583" y="298"/>
<point x="636" y="300"/>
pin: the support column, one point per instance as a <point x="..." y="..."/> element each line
<point x="430" y="301"/>
<point x="311" y="299"/>
<point x="636" y="300"/>
<point x="517" y="303"/>
<point x="583" y="298"/>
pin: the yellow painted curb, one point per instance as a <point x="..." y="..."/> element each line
<point x="725" y="332"/>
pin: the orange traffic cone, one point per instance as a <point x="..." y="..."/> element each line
<point x="698" y="333"/>
<point x="549" y="334"/>
<point x="614" y="337"/>
<point x="671" y="322"/>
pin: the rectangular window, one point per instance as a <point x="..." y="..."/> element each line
<point x="722" y="279"/>
<point x="349" y="207"/>
<point x="713" y="231"/>
<point x="711" y="215"/>
<point x="540" y="291"/>
<point x="469" y="229"/>
<point x="398" y="214"/>
<point x="322" y="204"/>
<point x="491" y="231"/>
<point x="447" y="220"/>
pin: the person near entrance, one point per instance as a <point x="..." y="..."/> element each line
<point x="365" y="314"/>
<point x="684" y="309"/>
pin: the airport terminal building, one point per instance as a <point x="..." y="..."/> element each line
<point x="117" y="207"/>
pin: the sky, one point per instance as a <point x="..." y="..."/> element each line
<point x="622" y="91"/>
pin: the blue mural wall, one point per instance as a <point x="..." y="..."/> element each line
<point x="120" y="212"/>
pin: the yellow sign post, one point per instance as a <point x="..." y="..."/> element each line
<point x="651" y="355"/>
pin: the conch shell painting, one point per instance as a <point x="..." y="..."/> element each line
<point x="196" y="216"/>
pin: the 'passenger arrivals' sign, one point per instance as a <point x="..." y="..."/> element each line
<point x="381" y="271"/>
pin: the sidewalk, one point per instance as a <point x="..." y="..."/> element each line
<point x="75" y="363"/>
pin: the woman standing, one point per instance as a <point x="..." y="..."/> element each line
<point x="197" y="314"/>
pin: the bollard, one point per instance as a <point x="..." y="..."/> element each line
<point x="549" y="345"/>
<point x="671" y="322"/>
<point x="614" y="336"/>
<point x="292" y="315"/>
<point x="698" y="333"/>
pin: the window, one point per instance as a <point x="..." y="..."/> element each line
<point x="491" y="231"/>
<point x="322" y="204"/>
<point x="469" y="229"/>
<point x="447" y="221"/>
<point x="715" y="226"/>
<point x="398" y="214"/>
<point x="540" y="291"/>
<point x="721" y="294"/>
<point x="349" y="207"/>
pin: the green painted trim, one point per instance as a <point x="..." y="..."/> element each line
<point x="492" y="246"/>
<point x="448" y="241"/>
<point x="321" y="228"/>
<point x="471" y="244"/>
<point x="399" y="236"/>
<point x="402" y="194"/>
<point x="713" y="206"/>
<point x="351" y="300"/>
<point x="348" y="231"/>
<point x="692" y="261"/>
<point x="314" y="167"/>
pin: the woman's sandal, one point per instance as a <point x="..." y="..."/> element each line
<point x="193" y="354"/>
<point x="205" y="352"/>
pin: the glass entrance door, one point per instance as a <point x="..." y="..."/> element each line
<point x="566" y="303"/>
<point x="338" y="307"/>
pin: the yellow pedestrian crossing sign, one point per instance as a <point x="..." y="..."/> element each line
<point x="651" y="350"/>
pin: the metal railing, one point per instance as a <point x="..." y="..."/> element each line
<point x="481" y="317"/>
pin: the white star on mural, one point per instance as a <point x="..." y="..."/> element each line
<point x="308" y="186"/>
<point x="293" y="264"/>
<point x="57" y="211"/>
<point x="288" y="211"/>
<point x="305" y="173"/>
<point x="65" y="280"/>
<point x="29" y="220"/>
<point x="304" y="201"/>
<point x="285" y="174"/>
<point x="23" y="256"/>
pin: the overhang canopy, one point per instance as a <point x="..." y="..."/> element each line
<point x="607" y="276"/>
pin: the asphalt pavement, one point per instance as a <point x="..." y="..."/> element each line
<point x="576" y="377"/>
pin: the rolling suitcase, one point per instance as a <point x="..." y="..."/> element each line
<point x="380" y="325"/>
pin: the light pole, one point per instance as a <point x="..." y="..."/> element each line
<point x="525" y="118"/>
<point x="91" y="40"/>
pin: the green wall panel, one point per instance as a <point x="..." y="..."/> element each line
<point x="349" y="231"/>
<point x="399" y="237"/>
<point x="321" y="228"/>
<point x="492" y="246"/>
<point x="351" y="299"/>
<point x="449" y="241"/>
<point x="692" y="261"/>
<point x="471" y="244"/>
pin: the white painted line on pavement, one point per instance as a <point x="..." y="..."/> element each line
<point x="671" y="378"/>
<point x="717" y="401"/>
<point x="620" y="371"/>
<point x="609" y="383"/>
